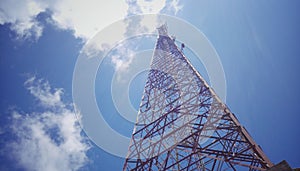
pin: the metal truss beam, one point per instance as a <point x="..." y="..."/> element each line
<point x="183" y="125"/>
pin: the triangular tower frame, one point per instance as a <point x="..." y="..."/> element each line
<point x="183" y="125"/>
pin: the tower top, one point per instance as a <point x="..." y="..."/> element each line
<point x="163" y="30"/>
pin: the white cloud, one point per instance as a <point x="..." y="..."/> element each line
<point x="87" y="17"/>
<point x="173" y="6"/>
<point x="41" y="90"/>
<point x="152" y="7"/>
<point x="21" y="15"/>
<point x="123" y="58"/>
<point x="49" y="140"/>
<point x="84" y="17"/>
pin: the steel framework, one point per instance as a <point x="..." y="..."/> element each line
<point x="183" y="125"/>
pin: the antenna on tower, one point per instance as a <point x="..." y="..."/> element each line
<point x="182" y="46"/>
<point x="163" y="30"/>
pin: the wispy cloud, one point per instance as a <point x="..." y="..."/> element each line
<point x="42" y="91"/>
<point x="21" y="15"/>
<point x="123" y="58"/>
<point x="51" y="139"/>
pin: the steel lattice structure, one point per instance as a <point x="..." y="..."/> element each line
<point x="183" y="125"/>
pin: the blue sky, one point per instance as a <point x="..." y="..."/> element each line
<point x="257" y="42"/>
